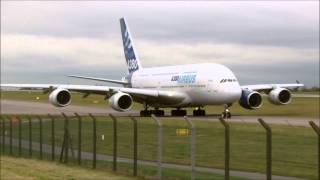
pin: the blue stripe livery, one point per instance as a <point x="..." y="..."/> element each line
<point x="129" y="51"/>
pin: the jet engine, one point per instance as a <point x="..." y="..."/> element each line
<point x="280" y="96"/>
<point x="121" y="101"/>
<point x="250" y="99"/>
<point x="60" y="97"/>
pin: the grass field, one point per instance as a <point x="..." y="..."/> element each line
<point x="31" y="169"/>
<point x="300" y="107"/>
<point x="294" y="148"/>
<point x="124" y="170"/>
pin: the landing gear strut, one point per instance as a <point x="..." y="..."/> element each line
<point x="147" y="113"/>
<point x="157" y="112"/>
<point x="199" y="112"/>
<point x="226" y="113"/>
<point x="178" y="112"/>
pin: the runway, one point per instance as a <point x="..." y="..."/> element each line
<point x="279" y="120"/>
<point x="23" y="107"/>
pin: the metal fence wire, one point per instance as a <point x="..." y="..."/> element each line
<point x="153" y="146"/>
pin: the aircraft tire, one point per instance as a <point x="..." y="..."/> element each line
<point x="158" y="112"/>
<point x="228" y="115"/>
<point x="145" y="113"/>
<point x="199" y="112"/>
<point x="178" y="112"/>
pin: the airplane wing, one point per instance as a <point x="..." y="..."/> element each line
<point x="100" y="79"/>
<point x="136" y="93"/>
<point x="263" y="87"/>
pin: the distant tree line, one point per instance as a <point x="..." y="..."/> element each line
<point x="308" y="89"/>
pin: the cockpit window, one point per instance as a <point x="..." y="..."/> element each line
<point x="227" y="80"/>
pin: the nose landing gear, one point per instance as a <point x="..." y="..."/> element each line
<point x="226" y="114"/>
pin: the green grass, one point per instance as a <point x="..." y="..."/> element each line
<point x="300" y="107"/>
<point x="102" y="171"/>
<point x="30" y="169"/>
<point x="294" y="148"/>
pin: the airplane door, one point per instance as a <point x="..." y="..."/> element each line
<point x="210" y="85"/>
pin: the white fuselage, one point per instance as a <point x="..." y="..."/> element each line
<point x="202" y="84"/>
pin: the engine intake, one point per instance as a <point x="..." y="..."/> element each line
<point x="60" y="97"/>
<point x="280" y="96"/>
<point x="121" y="101"/>
<point x="250" y="99"/>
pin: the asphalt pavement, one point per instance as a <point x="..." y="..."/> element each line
<point x="23" y="107"/>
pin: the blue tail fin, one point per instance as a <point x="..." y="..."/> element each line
<point x="130" y="53"/>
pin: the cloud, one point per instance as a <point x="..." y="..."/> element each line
<point x="94" y="56"/>
<point x="95" y="52"/>
<point x="291" y="24"/>
<point x="41" y="51"/>
<point x="256" y="39"/>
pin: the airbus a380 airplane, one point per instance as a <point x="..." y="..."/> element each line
<point x="192" y="85"/>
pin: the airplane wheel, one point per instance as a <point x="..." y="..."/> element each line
<point x="224" y="115"/>
<point x="161" y="113"/>
<point x="178" y="112"/>
<point x="145" y="113"/>
<point x="228" y="115"/>
<point x="158" y="112"/>
<point x="199" y="112"/>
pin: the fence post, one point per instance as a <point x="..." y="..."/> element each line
<point x="94" y="141"/>
<point x="19" y="122"/>
<point x="135" y="145"/>
<point x="269" y="148"/>
<point x="2" y="129"/>
<point x="40" y="135"/>
<point x="226" y="147"/>
<point x="53" y="148"/>
<point x="317" y="130"/>
<point x="10" y="136"/>
<point x="30" y="136"/>
<point x="193" y="146"/>
<point x="79" y="137"/>
<point x="115" y="141"/>
<point x="160" y="145"/>
<point x="3" y="134"/>
<point x="66" y="139"/>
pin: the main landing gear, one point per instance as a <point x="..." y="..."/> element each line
<point x="178" y="112"/>
<point x="226" y="114"/>
<point x="147" y="113"/>
<point x="199" y="112"/>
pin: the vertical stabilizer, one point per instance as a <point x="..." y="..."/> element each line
<point x="130" y="53"/>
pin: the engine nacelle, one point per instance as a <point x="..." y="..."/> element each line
<point x="250" y="99"/>
<point x="60" y="97"/>
<point x="121" y="101"/>
<point x="280" y="96"/>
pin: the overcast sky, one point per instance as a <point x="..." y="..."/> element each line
<point x="261" y="42"/>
